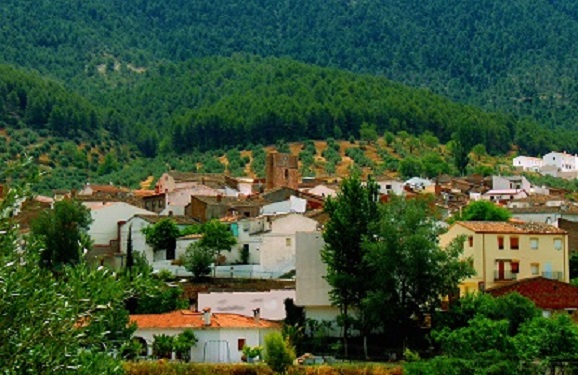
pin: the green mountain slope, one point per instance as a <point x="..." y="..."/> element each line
<point x="517" y="56"/>
<point x="214" y="102"/>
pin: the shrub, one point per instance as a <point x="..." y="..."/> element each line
<point x="163" y="346"/>
<point x="198" y="260"/>
<point x="278" y="354"/>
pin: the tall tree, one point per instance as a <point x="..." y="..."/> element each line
<point x="129" y="255"/>
<point x="216" y="237"/>
<point x="162" y="235"/>
<point x="410" y="270"/>
<point x="351" y="214"/>
<point x="484" y="211"/>
<point x="61" y="232"/>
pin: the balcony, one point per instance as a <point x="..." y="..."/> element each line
<point x="553" y="275"/>
<point x="504" y="275"/>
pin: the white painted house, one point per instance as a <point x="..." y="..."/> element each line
<point x="562" y="161"/>
<point x="311" y="288"/>
<point x="136" y="224"/>
<point x="108" y="217"/>
<point x="528" y="163"/>
<point x="277" y="250"/>
<point x="221" y="337"/>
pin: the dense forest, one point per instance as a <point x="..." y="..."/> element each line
<point x="86" y="83"/>
<point x="519" y="57"/>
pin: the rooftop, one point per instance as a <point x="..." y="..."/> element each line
<point x="178" y="219"/>
<point x="193" y="319"/>
<point x="510" y="227"/>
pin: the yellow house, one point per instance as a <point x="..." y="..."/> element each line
<point x="503" y="252"/>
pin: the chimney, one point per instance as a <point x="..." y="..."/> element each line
<point x="219" y="198"/>
<point x="257" y="314"/>
<point x="207" y="316"/>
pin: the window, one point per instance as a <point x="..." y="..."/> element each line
<point x="535" y="269"/>
<point x="514" y="243"/>
<point x="515" y="267"/>
<point x="558" y="244"/>
<point x="287" y="241"/>
<point x="241" y="344"/>
<point x="534" y="243"/>
<point x="471" y="241"/>
<point x="500" y="242"/>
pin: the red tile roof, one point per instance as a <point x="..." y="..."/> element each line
<point x="510" y="227"/>
<point x="192" y="319"/>
<point x="546" y="294"/>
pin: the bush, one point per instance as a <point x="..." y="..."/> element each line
<point x="278" y="354"/>
<point x="198" y="260"/>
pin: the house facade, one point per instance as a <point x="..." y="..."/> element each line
<point x="311" y="288"/>
<point x="562" y="161"/>
<point x="104" y="231"/>
<point x="136" y="224"/>
<point x="221" y="336"/>
<point x="528" y="163"/>
<point x="502" y="252"/>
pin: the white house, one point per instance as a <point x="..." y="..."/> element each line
<point x="107" y="218"/>
<point x="511" y="182"/>
<point x="500" y="195"/>
<point x="293" y="204"/>
<point x="136" y="224"/>
<point x="528" y="163"/>
<point x="277" y="249"/>
<point x="311" y="288"/>
<point x="562" y="161"/>
<point x="221" y="337"/>
<point x="389" y="187"/>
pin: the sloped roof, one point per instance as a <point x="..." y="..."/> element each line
<point x="193" y="319"/>
<point x="545" y="293"/>
<point x="510" y="227"/>
<point x="178" y="219"/>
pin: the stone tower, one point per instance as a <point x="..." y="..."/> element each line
<point x="281" y="170"/>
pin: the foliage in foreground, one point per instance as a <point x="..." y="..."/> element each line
<point x="174" y="368"/>
<point x="55" y="324"/>
<point x="505" y="335"/>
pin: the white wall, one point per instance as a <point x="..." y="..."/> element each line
<point x="208" y="338"/>
<point x="106" y="216"/>
<point x="138" y="238"/>
<point x="277" y="252"/>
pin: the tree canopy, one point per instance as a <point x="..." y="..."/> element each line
<point x="62" y="231"/>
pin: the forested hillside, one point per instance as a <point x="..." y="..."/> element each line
<point x="518" y="56"/>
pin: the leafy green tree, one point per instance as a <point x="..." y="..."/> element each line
<point x="163" y="346"/>
<point x="410" y="167"/>
<point x="198" y="260"/>
<point x="217" y="237"/>
<point x="410" y="269"/>
<point x="350" y="216"/>
<point x="549" y="341"/>
<point x="152" y="295"/>
<point x="55" y="325"/>
<point x="481" y="335"/>
<point x="183" y="342"/>
<point x="162" y="235"/>
<point x="368" y="132"/>
<point x="278" y="354"/>
<point x="484" y="211"/>
<point x="61" y="232"/>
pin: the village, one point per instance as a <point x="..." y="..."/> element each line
<point x="278" y="225"/>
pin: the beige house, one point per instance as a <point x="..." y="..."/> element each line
<point x="503" y="252"/>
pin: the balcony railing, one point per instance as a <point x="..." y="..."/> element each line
<point x="504" y="275"/>
<point x="553" y="275"/>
